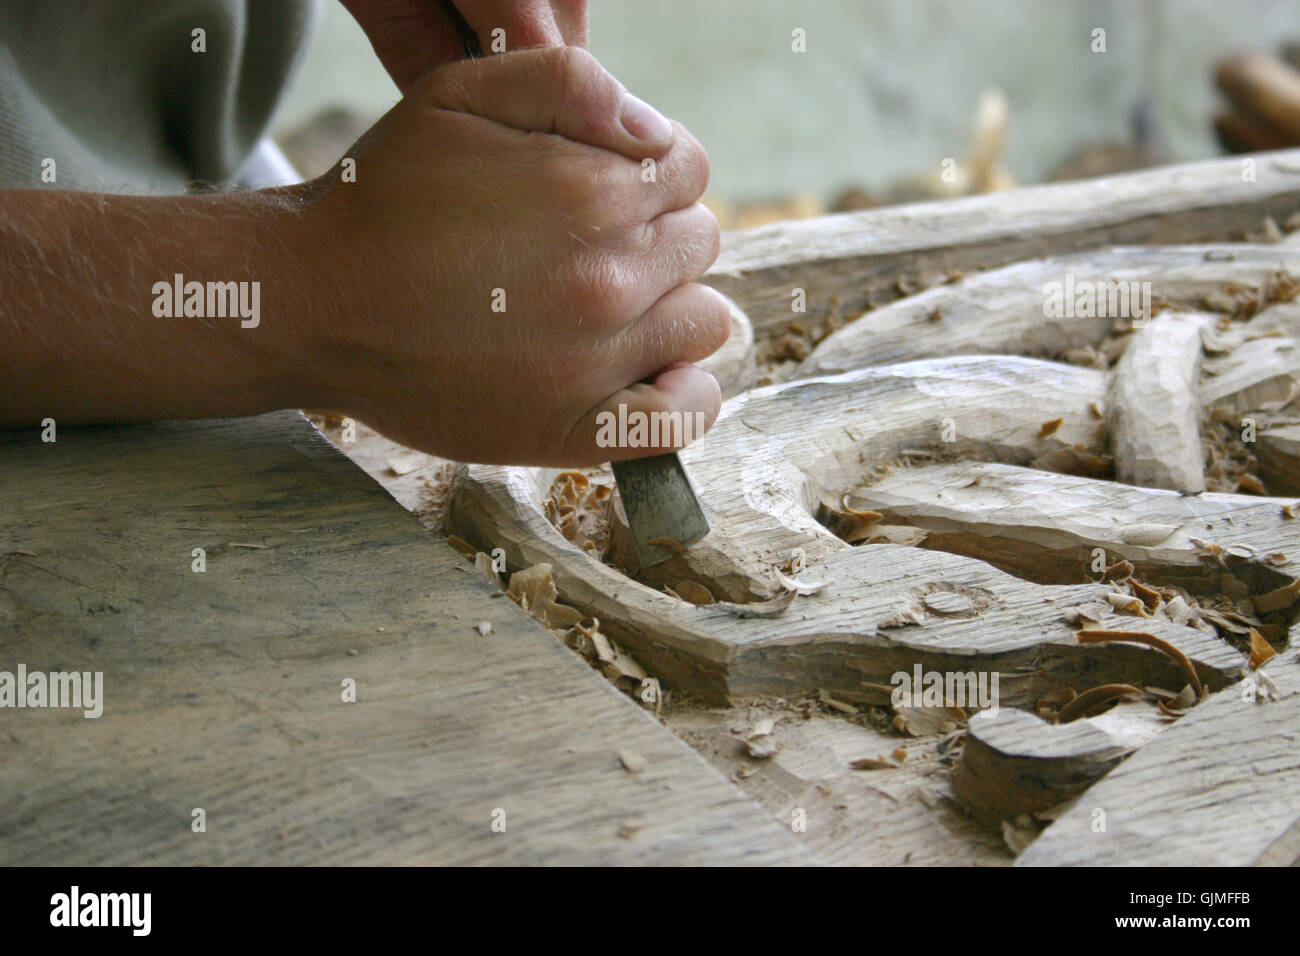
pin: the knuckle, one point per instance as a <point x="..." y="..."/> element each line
<point x="573" y="71"/>
<point x="601" y="291"/>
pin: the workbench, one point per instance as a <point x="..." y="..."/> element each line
<point x="224" y="688"/>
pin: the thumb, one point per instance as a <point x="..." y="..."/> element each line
<point x="665" y="415"/>
<point x="560" y="90"/>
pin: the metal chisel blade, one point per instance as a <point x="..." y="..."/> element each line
<point x="660" y="503"/>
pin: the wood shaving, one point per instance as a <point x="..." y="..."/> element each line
<point x="1260" y="650"/>
<point x="1093" y="612"/>
<point x="1049" y="428"/>
<point x="800" y="586"/>
<point x="406" y="464"/>
<point x="1277" y="600"/>
<point x="773" y="607"/>
<point x="632" y="761"/>
<point x="1127" y="604"/>
<point x="1150" y="640"/>
<point x="1094" y="698"/>
<point x="872" y="763"/>
<point x="833" y="704"/>
<point x="1119" y="571"/>
<point x="579" y="510"/>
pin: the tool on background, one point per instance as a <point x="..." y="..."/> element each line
<point x="660" y="505"/>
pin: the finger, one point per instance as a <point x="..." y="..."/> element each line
<point x="525" y="23"/>
<point x="410" y="37"/>
<point x="571" y="18"/>
<point x="688" y="324"/>
<point x="674" y="182"/>
<point x="677" y="248"/>
<point x="667" y="414"/>
<point x="560" y="90"/>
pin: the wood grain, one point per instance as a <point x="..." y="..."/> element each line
<point x="862" y="257"/>
<point x="223" y="688"/>
<point x="1216" y="789"/>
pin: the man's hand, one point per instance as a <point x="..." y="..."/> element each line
<point x="514" y="257"/>
<point x="412" y="37"/>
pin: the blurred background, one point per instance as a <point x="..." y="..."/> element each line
<point x="1011" y="90"/>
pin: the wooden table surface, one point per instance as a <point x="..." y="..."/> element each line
<point x="223" y="689"/>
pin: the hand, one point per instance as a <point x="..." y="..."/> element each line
<point x="511" y="181"/>
<point x="411" y="37"/>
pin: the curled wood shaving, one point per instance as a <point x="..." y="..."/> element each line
<point x="1278" y="599"/>
<point x="1127" y="604"/>
<point x="579" y="510"/>
<point x="1150" y="640"/>
<point x="1180" y="612"/>
<point x="1150" y="597"/>
<point x="773" y="607"/>
<point x="1260" y="650"/>
<point x="798" y="585"/>
<point x="1119" y="571"/>
<point x="1093" y="698"/>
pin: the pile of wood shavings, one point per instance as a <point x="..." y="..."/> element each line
<point x="579" y="510"/>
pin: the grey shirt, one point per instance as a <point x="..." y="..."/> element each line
<point x="116" y="95"/>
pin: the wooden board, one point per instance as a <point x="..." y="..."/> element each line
<point x="223" y="688"/>
<point x="761" y="471"/>
<point x="1217" y="788"/>
<point x="1002" y="310"/>
<point x="865" y="259"/>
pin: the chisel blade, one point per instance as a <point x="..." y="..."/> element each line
<point x="660" y="503"/>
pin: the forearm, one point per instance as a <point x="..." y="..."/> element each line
<point x="92" y="329"/>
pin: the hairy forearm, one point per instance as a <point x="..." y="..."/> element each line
<point x="92" y="328"/>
